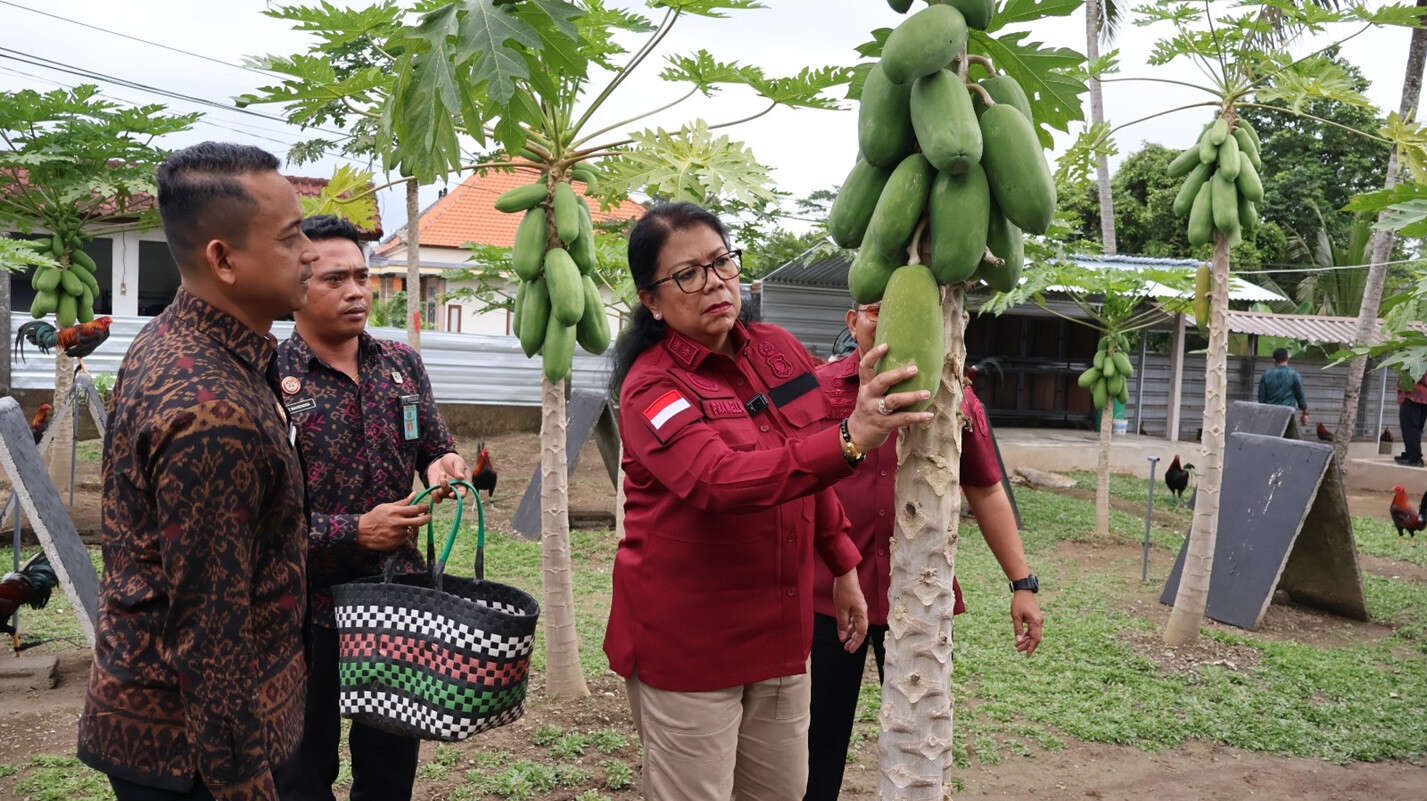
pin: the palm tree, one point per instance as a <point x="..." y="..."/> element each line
<point x="1102" y="19"/>
<point x="1381" y="250"/>
<point x="1335" y="291"/>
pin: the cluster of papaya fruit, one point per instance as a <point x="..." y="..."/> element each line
<point x="66" y="291"/>
<point x="558" y="303"/>
<point x="948" y="176"/>
<point x="1110" y="373"/>
<point x="1221" y="189"/>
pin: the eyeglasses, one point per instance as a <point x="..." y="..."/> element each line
<point x="695" y="278"/>
<point x="871" y="310"/>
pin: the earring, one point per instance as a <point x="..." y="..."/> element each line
<point x="658" y="316"/>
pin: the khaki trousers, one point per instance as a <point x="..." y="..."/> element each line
<point x="746" y="743"/>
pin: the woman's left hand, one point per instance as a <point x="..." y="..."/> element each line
<point x="851" y="610"/>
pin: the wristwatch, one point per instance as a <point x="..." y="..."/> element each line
<point x="1028" y="583"/>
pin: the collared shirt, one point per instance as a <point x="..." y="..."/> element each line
<point x="356" y="451"/>
<point x="1281" y="385"/>
<point x="198" y="664"/>
<point x="728" y="469"/>
<point x="1418" y="393"/>
<point x="868" y="494"/>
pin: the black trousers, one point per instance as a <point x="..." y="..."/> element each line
<point x="128" y="791"/>
<point x="383" y="765"/>
<point x="1410" y="417"/>
<point x="837" y="680"/>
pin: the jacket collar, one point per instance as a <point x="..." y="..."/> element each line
<point x="192" y="312"/>
<point x="690" y="354"/>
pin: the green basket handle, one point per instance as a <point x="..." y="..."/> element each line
<point x="438" y="566"/>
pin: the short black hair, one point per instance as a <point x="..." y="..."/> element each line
<point x="199" y="194"/>
<point x="1280" y="355"/>
<point x="329" y="226"/>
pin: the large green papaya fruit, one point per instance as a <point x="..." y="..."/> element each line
<point x="592" y="332"/>
<point x="1004" y="89"/>
<point x="977" y="12"/>
<point x="898" y="210"/>
<point x="534" y="316"/>
<point x="924" y="43"/>
<point x="1005" y="241"/>
<point x="884" y="120"/>
<point x="944" y="122"/>
<point x="1016" y="168"/>
<point x="957" y="218"/>
<point x="528" y="254"/>
<point x="562" y="277"/>
<point x="559" y="350"/>
<point x="852" y="210"/>
<point x="910" y="324"/>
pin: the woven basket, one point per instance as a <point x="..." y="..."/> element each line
<point x="433" y="656"/>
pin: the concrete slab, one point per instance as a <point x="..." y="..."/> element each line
<point x="29" y="672"/>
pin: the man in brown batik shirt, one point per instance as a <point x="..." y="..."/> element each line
<point x="198" y="679"/>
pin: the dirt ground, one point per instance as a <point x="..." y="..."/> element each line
<point x="36" y="722"/>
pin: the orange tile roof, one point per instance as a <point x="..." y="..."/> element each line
<point x="468" y="214"/>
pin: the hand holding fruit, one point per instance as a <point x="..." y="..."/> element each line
<point x="869" y="425"/>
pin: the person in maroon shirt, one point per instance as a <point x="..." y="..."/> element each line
<point x="867" y="497"/>
<point x="728" y="468"/>
<point x="368" y="425"/>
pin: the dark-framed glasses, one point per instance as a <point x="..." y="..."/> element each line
<point x="695" y="278"/>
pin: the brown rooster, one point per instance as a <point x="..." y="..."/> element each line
<point x="1404" y="517"/>
<point x="30" y="586"/>
<point x="40" y="422"/>
<point x="77" y="341"/>
<point x="1323" y="433"/>
<point x="483" y="476"/>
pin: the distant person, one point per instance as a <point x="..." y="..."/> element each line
<point x="1281" y="385"/>
<point x="196" y="692"/>
<point x="1411" y="414"/>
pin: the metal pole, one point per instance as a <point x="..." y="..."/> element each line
<point x="74" y="438"/>
<point x="1381" y="402"/>
<point x="15" y="621"/>
<point x="1149" y="518"/>
<point x="1140" y="389"/>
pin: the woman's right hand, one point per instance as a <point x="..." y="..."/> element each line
<point x="867" y="425"/>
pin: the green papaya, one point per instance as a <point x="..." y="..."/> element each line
<point x="1184" y="162"/>
<point x="567" y="216"/>
<point x="592" y="332"/>
<point x="534" y="316"/>
<point x="516" y="305"/>
<point x="958" y="215"/>
<point x="884" y="120"/>
<point x="1124" y="396"/>
<point x="559" y="350"/>
<point x="1108" y="367"/>
<point x="87" y="277"/>
<point x="944" y="122"/>
<point x="84" y="310"/>
<point x="44" y="303"/>
<point x="924" y="43"/>
<point x="1115" y="384"/>
<point x="562" y="277"/>
<point x="528" y="254"/>
<point x="1099" y="361"/>
<point x="900" y="6"/>
<point x="910" y="324"/>
<point x="1252" y="134"/>
<point x="70" y="283"/>
<point x="1122" y="364"/>
<point x="1201" y="217"/>
<point x="978" y="13"/>
<point x="47" y="279"/>
<point x="1203" y="286"/>
<point x="585" y="254"/>
<point x="898" y="210"/>
<point x="852" y="210"/>
<point x="1184" y="201"/>
<point x="1248" y="215"/>
<point x="1248" y="148"/>
<point x="67" y="310"/>
<point x="1219" y="132"/>
<point x="1208" y="151"/>
<point x="522" y="198"/>
<point x="1003" y="89"/>
<point x="56" y="246"/>
<point x="867" y="278"/>
<point x="1100" y="394"/>
<point x="586" y="174"/>
<point x="1225" y="204"/>
<point x="1248" y="181"/>
<point x="1016" y="168"/>
<point x="1004" y="240"/>
<point x="1229" y="158"/>
<point x="82" y="259"/>
<point x="1088" y="378"/>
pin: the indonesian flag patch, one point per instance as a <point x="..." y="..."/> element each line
<point x="665" y="409"/>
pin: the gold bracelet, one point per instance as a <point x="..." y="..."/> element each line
<point x="853" y="454"/>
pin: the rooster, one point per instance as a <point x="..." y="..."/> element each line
<point x="1404" y="517"/>
<point x="1177" y="479"/>
<point x="483" y="476"/>
<point x="1323" y="433"/>
<point x="77" y="341"/>
<point x="40" y="422"/>
<point x="30" y="586"/>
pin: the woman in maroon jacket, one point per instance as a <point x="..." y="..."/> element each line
<point x="728" y="470"/>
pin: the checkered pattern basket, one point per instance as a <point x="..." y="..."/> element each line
<point x="434" y="656"/>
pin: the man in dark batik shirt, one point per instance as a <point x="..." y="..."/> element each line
<point x="197" y="686"/>
<point x="368" y="425"/>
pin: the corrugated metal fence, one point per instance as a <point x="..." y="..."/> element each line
<point x="464" y="368"/>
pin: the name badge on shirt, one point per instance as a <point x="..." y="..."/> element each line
<point x="411" y="430"/>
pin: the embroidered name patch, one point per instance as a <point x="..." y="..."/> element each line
<point x="720" y="409"/>
<point x="666" y="408"/>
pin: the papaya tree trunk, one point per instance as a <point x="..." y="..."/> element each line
<point x="413" y="266"/>
<point x="1097" y="116"/>
<point x="5" y="304"/>
<point x="1381" y="254"/>
<point x="1193" y="594"/>
<point x="915" y="745"/>
<point x="61" y="444"/>
<point x="563" y="676"/>
<point x="1102" y="471"/>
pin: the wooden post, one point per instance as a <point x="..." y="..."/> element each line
<point x="1176" y="379"/>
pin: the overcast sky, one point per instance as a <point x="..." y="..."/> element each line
<point x="808" y="149"/>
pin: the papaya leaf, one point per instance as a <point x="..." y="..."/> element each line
<point x="690" y="164"/>
<point x="1048" y="76"/>
<point x="1313" y="79"/>
<point x="1076" y="164"/>
<point x="337" y="27"/>
<point x="873" y="49"/>
<point x="1017" y="11"/>
<point x="19" y="255"/>
<point x="1379" y="200"/>
<point x="1410" y="138"/>
<point x="1403" y="14"/>
<point x="1406" y="219"/>
<point x="804" y="90"/>
<point x="335" y="198"/>
<point x="706" y="8"/>
<point x="705" y="72"/>
<point x="488" y="36"/>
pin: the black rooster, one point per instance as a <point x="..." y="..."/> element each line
<point x="483" y="477"/>
<point x="30" y="586"/>
<point x="1177" y="479"/>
